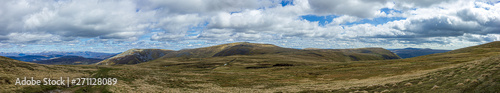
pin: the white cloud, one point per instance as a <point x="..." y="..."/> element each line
<point x="427" y="23"/>
<point x="166" y="7"/>
<point x="72" y="19"/>
<point x="408" y="4"/>
<point x="32" y="37"/>
<point x="344" y="19"/>
<point x="358" y="8"/>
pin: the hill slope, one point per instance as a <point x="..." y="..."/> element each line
<point x="11" y="69"/>
<point x="243" y="48"/>
<point x="484" y="48"/>
<point x="249" y="49"/>
<point x="472" y="69"/>
<point x="134" y="56"/>
<point x="69" y="60"/>
<point x="481" y="76"/>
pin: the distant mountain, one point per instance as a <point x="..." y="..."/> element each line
<point x="134" y="56"/>
<point x="69" y="60"/>
<point x="245" y="48"/>
<point x="414" y="52"/>
<point x="30" y="58"/>
<point x="240" y="48"/>
<point x="86" y="54"/>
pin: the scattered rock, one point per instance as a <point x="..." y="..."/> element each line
<point x="385" y="91"/>
<point x="363" y="91"/>
<point x="475" y="81"/>
<point x="408" y="84"/>
<point x="435" y="87"/>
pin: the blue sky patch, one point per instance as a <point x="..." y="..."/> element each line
<point x="286" y="2"/>
<point x="322" y="20"/>
<point x="388" y="10"/>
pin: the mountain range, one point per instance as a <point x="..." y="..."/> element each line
<point x="86" y="54"/>
<point x="68" y="60"/>
<point x="135" y="56"/>
<point x="61" y="58"/>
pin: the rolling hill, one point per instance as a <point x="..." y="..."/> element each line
<point x="245" y="48"/>
<point x="11" y="69"/>
<point x="135" y="56"/>
<point x="240" y="48"/>
<point x="472" y="69"/>
<point x="255" y="49"/>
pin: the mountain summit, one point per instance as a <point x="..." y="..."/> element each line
<point x="134" y="56"/>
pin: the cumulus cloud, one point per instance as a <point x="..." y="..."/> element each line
<point x="156" y="23"/>
<point x="480" y="38"/>
<point x="31" y="37"/>
<point x="407" y="4"/>
<point x="438" y="24"/>
<point x="489" y="18"/>
<point x="249" y="23"/>
<point x="442" y="26"/>
<point x="367" y="8"/>
<point x="358" y="8"/>
<point x="73" y="19"/>
<point x="11" y="15"/>
<point x="344" y="19"/>
<point x="428" y="22"/>
<point x="203" y="6"/>
<point x="176" y="17"/>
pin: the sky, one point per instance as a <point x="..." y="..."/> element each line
<point x="118" y="25"/>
